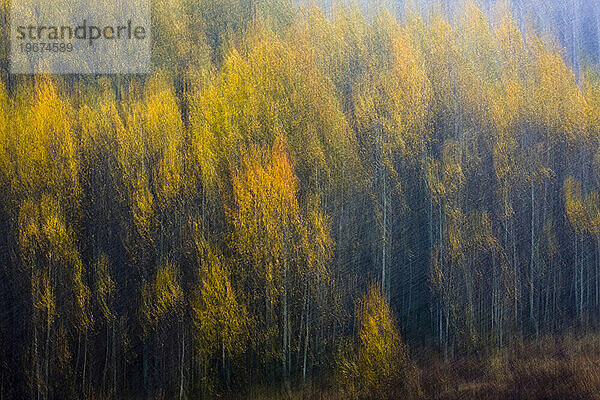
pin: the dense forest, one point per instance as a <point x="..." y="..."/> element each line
<point x="296" y="198"/>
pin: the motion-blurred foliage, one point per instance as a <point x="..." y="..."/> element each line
<point x="294" y="195"/>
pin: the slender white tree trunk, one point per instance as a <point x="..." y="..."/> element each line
<point x="106" y="358"/>
<point x="532" y="260"/>
<point x="47" y="355"/>
<point x="114" y="357"/>
<point x="306" y="339"/>
<point x="384" y="239"/>
<point x="181" y="364"/>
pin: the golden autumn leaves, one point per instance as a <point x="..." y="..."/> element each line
<point x="221" y="221"/>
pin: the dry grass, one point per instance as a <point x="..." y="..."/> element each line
<point x="548" y="369"/>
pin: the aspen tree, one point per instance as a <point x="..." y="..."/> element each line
<point x="380" y="364"/>
<point x="221" y="321"/>
<point x="265" y="220"/>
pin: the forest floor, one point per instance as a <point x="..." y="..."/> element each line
<point x="549" y="368"/>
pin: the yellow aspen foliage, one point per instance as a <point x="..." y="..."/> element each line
<point x="381" y="347"/>
<point x="63" y="352"/>
<point x="164" y="132"/>
<point x="203" y="152"/>
<point x="394" y="105"/>
<point x="81" y="297"/>
<point x="93" y="128"/>
<point x="337" y="44"/>
<point x="163" y="297"/>
<point x="266" y="212"/>
<point x="5" y="109"/>
<point x="592" y="210"/>
<point x="456" y="234"/>
<point x="318" y="242"/>
<point x="44" y="146"/>
<point x="220" y="19"/>
<point x="43" y="296"/>
<point x="275" y="90"/>
<point x="480" y="44"/>
<point x="61" y="251"/>
<point x="142" y="204"/>
<point x="136" y="156"/>
<point x="477" y="67"/>
<point x="592" y="98"/>
<point x="380" y="365"/>
<point x="48" y="249"/>
<point x="435" y="184"/>
<point x="105" y="287"/>
<point x="220" y="321"/>
<point x="179" y="41"/>
<point x="507" y="102"/>
<point x="29" y="232"/>
<point x="574" y="205"/>
<point x="221" y="114"/>
<point x="506" y="161"/>
<point x="513" y="54"/>
<point x="557" y="101"/>
<point x="53" y="228"/>
<point x="452" y="176"/>
<point x="480" y="232"/>
<point x="316" y="270"/>
<point x="267" y="235"/>
<point x="98" y="121"/>
<point x="278" y="158"/>
<point x="442" y="57"/>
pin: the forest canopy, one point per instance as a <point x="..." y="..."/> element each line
<point x="292" y="195"/>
